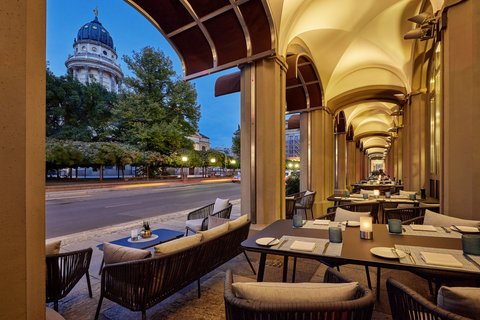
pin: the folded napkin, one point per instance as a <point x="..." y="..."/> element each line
<point x="356" y="195"/>
<point x="466" y="228"/>
<point x="423" y="227"/>
<point x="440" y="259"/>
<point x="396" y="196"/>
<point x="302" y="246"/>
<point x="321" y="222"/>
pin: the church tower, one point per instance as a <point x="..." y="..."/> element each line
<point x="94" y="57"/>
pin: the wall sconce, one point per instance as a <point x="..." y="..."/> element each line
<point x="366" y="228"/>
<point x="427" y="27"/>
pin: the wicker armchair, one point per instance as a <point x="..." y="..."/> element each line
<point x="304" y="202"/>
<point x="64" y="270"/>
<point x="359" y="308"/>
<point x="201" y="217"/>
<point x="407" y="304"/>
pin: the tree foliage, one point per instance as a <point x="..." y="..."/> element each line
<point x="236" y="142"/>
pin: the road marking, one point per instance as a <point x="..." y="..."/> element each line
<point x="121" y="205"/>
<point x="66" y="197"/>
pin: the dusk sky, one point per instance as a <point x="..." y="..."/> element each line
<point x="131" y="32"/>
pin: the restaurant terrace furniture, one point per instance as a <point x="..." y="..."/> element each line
<point x="290" y="206"/>
<point x="304" y="201"/>
<point x="140" y="284"/>
<point x="64" y="270"/>
<point x="407" y="304"/>
<point x="360" y="307"/>
<point x="197" y="220"/>
<point x="367" y="206"/>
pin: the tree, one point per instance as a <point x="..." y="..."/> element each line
<point x="236" y="142"/>
<point x="158" y="110"/>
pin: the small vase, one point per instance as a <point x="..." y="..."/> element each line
<point x="146" y="233"/>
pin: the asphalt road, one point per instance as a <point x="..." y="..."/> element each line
<point x="72" y="212"/>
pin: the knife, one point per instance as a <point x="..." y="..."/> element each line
<point x="475" y="263"/>
<point x="326" y="246"/>
<point x="446" y="230"/>
<point x="282" y="243"/>
<point x="272" y="241"/>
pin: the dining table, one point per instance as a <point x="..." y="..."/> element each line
<point x="357" y="251"/>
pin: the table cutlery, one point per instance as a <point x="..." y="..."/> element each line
<point x="403" y="229"/>
<point x="410" y="255"/>
<point x="446" y="230"/>
<point x="282" y="243"/>
<point x="325" y="247"/>
<point x="456" y="229"/>
<point x="395" y="253"/>
<point x="272" y="241"/>
<point x="475" y="263"/>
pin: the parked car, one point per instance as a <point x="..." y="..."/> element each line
<point x="236" y="177"/>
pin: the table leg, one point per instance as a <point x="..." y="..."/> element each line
<point x="101" y="267"/>
<point x="261" y="267"/>
<point x="285" y="268"/>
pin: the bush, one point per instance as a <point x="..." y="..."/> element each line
<point x="293" y="183"/>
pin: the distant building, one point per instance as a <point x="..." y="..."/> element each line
<point x="200" y="142"/>
<point x="94" y="57"/>
<point x="292" y="137"/>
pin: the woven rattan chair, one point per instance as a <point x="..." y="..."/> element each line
<point x="64" y="270"/>
<point x="290" y="207"/>
<point x="360" y="308"/>
<point x="204" y="213"/>
<point x="407" y="304"/>
<point x="371" y="207"/>
<point x="305" y="202"/>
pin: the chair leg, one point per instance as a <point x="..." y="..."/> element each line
<point x="186" y="232"/>
<point x="249" y="262"/>
<point x="379" y="274"/>
<point x="369" y="282"/>
<point x="430" y="287"/>
<point x="99" y="307"/>
<point x="88" y="284"/>
<point x="294" y="268"/>
<point x="198" y="287"/>
<point x="55" y="305"/>
<point x="144" y="315"/>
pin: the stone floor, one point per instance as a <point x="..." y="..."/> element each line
<point x="78" y="306"/>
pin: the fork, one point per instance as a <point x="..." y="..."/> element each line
<point x="410" y="255"/>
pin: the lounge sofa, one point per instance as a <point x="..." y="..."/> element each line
<point x="140" y="284"/>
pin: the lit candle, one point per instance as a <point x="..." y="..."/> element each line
<point x="376" y="193"/>
<point x="366" y="228"/>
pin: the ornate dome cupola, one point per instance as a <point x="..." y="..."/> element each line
<point x="94" y="57"/>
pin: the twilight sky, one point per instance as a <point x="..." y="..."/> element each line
<point x="131" y="32"/>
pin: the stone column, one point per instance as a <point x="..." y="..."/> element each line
<point x="340" y="161"/>
<point x="461" y="113"/>
<point x="22" y="155"/>
<point x="305" y="151"/>
<point x="263" y="107"/>
<point x="351" y="168"/>
<point x="358" y="165"/>
<point x="399" y="155"/>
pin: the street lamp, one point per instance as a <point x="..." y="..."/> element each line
<point x="184" y="174"/>
<point x="233" y="162"/>
<point x="290" y="165"/>
<point x="297" y="165"/>
<point x="212" y="161"/>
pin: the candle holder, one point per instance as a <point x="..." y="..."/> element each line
<point x="366" y="228"/>
<point x="376" y="193"/>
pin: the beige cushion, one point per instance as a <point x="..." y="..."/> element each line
<point x="233" y="224"/>
<point x="441" y="220"/>
<point x="51" y="314"/>
<point x="407" y="193"/>
<point x="53" y="247"/>
<point x="194" y="224"/>
<point x="279" y="292"/>
<point x="113" y="253"/>
<point x="343" y="215"/>
<point x="178" y="244"/>
<point x="220" y="204"/>
<point x="216" y="221"/>
<point x="214" y="232"/>
<point x="464" y="301"/>
<point x="363" y="191"/>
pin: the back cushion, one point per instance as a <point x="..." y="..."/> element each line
<point x="407" y="193"/>
<point x="113" y="253"/>
<point x="214" y="221"/>
<point x="214" y="232"/>
<point x="363" y="191"/>
<point x="53" y="247"/>
<point x="220" y="204"/>
<point x="441" y="220"/>
<point x="460" y="300"/>
<point x="238" y="222"/>
<point x="279" y="292"/>
<point x="178" y="244"/>
<point x="343" y="215"/>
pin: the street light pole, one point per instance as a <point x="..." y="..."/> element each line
<point x="184" y="174"/>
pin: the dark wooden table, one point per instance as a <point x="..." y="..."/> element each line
<point x="354" y="250"/>
<point x="164" y="235"/>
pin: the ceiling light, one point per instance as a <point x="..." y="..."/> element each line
<point x="420" y="18"/>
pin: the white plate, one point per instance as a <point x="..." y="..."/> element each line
<point x="351" y="223"/>
<point x="387" y="252"/>
<point x="267" y="241"/>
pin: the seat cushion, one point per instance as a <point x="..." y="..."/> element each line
<point x="363" y="191"/>
<point x="220" y="204"/>
<point x="344" y="215"/>
<point x="233" y="224"/>
<point x="53" y="247"/>
<point x="178" y="244"/>
<point x="214" y="221"/>
<point x="194" y="224"/>
<point x="113" y="253"/>
<point x="214" y="232"/>
<point x="464" y="301"/>
<point x="441" y="220"/>
<point x="407" y="193"/>
<point x="279" y="292"/>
